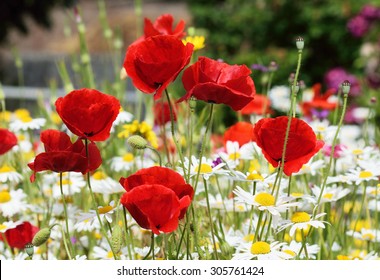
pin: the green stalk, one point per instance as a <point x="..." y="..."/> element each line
<point x="66" y="216"/>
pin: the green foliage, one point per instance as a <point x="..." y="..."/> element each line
<point x="258" y="31"/>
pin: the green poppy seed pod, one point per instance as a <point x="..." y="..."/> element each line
<point x="116" y="238"/>
<point x="29" y="249"/>
<point x="346" y="86"/>
<point x="41" y="237"/>
<point x="300" y="43"/>
<point x="137" y="142"/>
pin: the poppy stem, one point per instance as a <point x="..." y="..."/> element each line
<point x="66" y="216"/>
<point x="334" y="142"/>
<point x="173" y="132"/>
<point x="156" y="152"/>
<point x="211" y="222"/>
<point x="96" y="206"/>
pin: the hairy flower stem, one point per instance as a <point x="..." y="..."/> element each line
<point x="334" y="142"/>
<point x="151" y="250"/>
<point x="96" y="206"/>
<point x="66" y="217"/>
<point x="203" y="145"/>
<point x="176" y="142"/>
<point x="211" y="222"/>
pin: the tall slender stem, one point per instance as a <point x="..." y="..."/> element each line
<point x="210" y="218"/>
<point x="66" y="216"/>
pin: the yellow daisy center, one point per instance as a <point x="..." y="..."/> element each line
<point x="357" y="152"/>
<point x="255" y="176"/>
<point x="110" y="255"/>
<point x="297" y="194"/>
<point x="26" y="119"/>
<point x="300" y="217"/>
<point x="290" y="252"/>
<point x="5" y="196"/>
<point x="368" y="236"/>
<point x="2" y="226"/>
<point x="65" y="182"/>
<point x="265" y="199"/>
<point x="204" y="168"/>
<point x="234" y="156"/>
<point x="99" y="175"/>
<point x="6" y="168"/>
<point x="328" y="195"/>
<point x="306" y="167"/>
<point x="128" y="157"/>
<point x="365" y="174"/>
<point x="105" y="209"/>
<point x="249" y="237"/>
<point x="260" y="248"/>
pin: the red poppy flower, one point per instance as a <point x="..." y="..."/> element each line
<point x="161" y="113"/>
<point x="302" y="143"/>
<point x="155" y="62"/>
<point x="88" y="113"/>
<point x="21" y="235"/>
<point x="7" y="140"/>
<point x="319" y="102"/>
<point x="241" y="132"/>
<point x="257" y="106"/>
<point x="164" y="26"/>
<point x="156" y="197"/>
<point x="217" y="82"/>
<point x="61" y="155"/>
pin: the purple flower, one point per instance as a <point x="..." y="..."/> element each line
<point x="259" y="67"/>
<point x="320" y="114"/>
<point x="358" y="26"/>
<point x="370" y="12"/>
<point x="334" y="77"/>
<point x="217" y="161"/>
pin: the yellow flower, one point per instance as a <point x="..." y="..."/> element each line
<point x="197" y="41"/>
<point x="143" y="129"/>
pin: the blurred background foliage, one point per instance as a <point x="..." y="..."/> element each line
<point x="259" y="31"/>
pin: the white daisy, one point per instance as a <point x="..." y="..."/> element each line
<point x="72" y="183"/>
<point x="27" y="124"/>
<point x="265" y="201"/>
<point x="104" y="252"/>
<point x="311" y="167"/>
<point x="330" y="194"/>
<point x="142" y="252"/>
<point x="218" y="202"/>
<point x="12" y="202"/>
<point x="261" y="250"/>
<point x="207" y="168"/>
<point x="302" y="220"/>
<point x="101" y="183"/>
<point x="294" y="248"/>
<point x="359" y="175"/>
<point x="371" y="235"/>
<point x="124" y="163"/>
<point x="9" y="174"/>
<point x="123" y="117"/>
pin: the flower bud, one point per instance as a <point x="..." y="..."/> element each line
<point x="296" y="88"/>
<point x="137" y="142"/>
<point x="346" y="86"/>
<point x="41" y="237"/>
<point x="29" y="249"/>
<point x="300" y="43"/>
<point x="116" y="238"/>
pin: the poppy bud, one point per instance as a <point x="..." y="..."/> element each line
<point x="41" y="237"/>
<point x="29" y="249"/>
<point x="300" y="43"/>
<point x="346" y="86"/>
<point x="137" y="142"/>
<point x="116" y="239"/>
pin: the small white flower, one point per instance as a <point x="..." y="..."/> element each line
<point x="371" y="235"/>
<point x="261" y="250"/>
<point x="8" y="225"/>
<point x="27" y="124"/>
<point x="294" y="249"/>
<point x="265" y="201"/>
<point x="143" y="252"/>
<point x="330" y="194"/>
<point x="205" y="169"/>
<point x="101" y="183"/>
<point x="359" y="175"/>
<point x="9" y="174"/>
<point x="12" y="202"/>
<point x="301" y="221"/>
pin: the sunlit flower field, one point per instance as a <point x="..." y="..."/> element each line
<point x="92" y="176"/>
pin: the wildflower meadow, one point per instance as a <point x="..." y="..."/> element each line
<point x="293" y="174"/>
